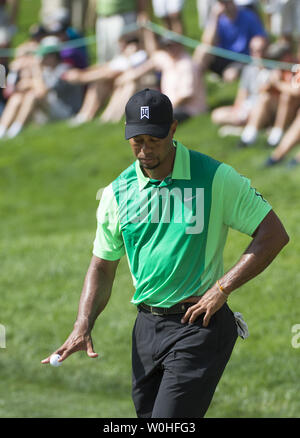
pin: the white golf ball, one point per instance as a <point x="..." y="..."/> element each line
<point x="54" y="360"/>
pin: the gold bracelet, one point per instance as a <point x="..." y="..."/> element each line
<point x="221" y="290"/>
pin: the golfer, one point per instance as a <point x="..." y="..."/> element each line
<point x="170" y="212"/>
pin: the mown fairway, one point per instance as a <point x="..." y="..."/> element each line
<point x="49" y="177"/>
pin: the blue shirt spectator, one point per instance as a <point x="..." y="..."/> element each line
<point x="231" y="28"/>
<point x="236" y="34"/>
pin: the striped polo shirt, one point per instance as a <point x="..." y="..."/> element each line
<point x="174" y="231"/>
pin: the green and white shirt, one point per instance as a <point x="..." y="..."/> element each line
<point x="174" y="231"/>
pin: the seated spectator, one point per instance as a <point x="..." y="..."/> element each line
<point x="45" y="91"/>
<point x="48" y="7"/>
<point x="8" y="19"/>
<point x="4" y="42"/>
<point x="204" y="9"/>
<point x="253" y="77"/>
<point x="77" y="11"/>
<point x="100" y="78"/>
<point x="276" y="106"/>
<point x="20" y="67"/>
<point x="80" y="14"/>
<point x="283" y="18"/>
<point x="113" y="17"/>
<point x="290" y="139"/>
<point x="230" y="28"/>
<point x="58" y="24"/>
<point x="180" y="79"/>
<point x="170" y="11"/>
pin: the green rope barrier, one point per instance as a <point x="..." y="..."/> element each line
<point x="218" y="51"/>
<point x="186" y="41"/>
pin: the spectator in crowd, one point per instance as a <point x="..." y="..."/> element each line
<point x="230" y="28"/>
<point x="180" y="78"/>
<point x="48" y="8"/>
<point x="58" y="24"/>
<point x="204" y="9"/>
<point x="78" y="14"/>
<point x="91" y="15"/>
<point x="290" y="139"/>
<point x="20" y="68"/>
<point x="4" y="42"/>
<point x="100" y="78"/>
<point x="124" y="89"/>
<point x="78" y="11"/>
<point x="8" y="22"/>
<point x="9" y="10"/>
<point x="254" y="76"/>
<point x="45" y="90"/>
<point x="113" y="19"/>
<point x="170" y="11"/>
<point x="277" y="106"/>
<point x="283" y="17"/>
<point x="205" y="6"/>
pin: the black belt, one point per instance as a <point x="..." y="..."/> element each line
<point x="161" y="311"/>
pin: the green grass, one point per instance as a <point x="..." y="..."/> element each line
<point x="49" y="177"/>
<point x="49" y="180"/>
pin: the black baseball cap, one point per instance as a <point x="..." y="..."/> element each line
<point x="148" y="112"/>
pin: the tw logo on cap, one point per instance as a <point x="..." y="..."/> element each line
<point x="145" y="112"/>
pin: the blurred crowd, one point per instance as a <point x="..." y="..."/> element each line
<point x="50" y="76"/>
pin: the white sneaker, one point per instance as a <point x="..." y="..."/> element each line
<point x="249" y="134"/>
<point x="14" y="130"/>
<point x="79" y="119"/>
<point x="226" y="130"/>
<point x="2" y="131"/>
<point x="275" y="136"/>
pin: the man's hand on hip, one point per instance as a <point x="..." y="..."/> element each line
<point x="209" y="304"/>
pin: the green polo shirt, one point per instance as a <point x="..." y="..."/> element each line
<point x="174" y="231"/>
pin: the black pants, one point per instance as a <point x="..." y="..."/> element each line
<point x="176" y="367"/>
<point x="220" y="64"/>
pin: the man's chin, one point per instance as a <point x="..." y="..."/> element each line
<point x="149" y="165"/>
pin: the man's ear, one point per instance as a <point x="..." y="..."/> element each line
<point x="173" y="128"/>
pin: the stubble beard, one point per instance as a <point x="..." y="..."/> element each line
<point x="149" y="167"/>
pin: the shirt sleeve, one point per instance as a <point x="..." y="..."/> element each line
<point x="244" y="207"/>
<point x="108" y="243"/>
<point x="256" y="25"/>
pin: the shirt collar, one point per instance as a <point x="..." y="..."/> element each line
<point x="181" y="168"/>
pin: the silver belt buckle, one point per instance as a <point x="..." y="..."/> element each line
<point x="153" y="312"/>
